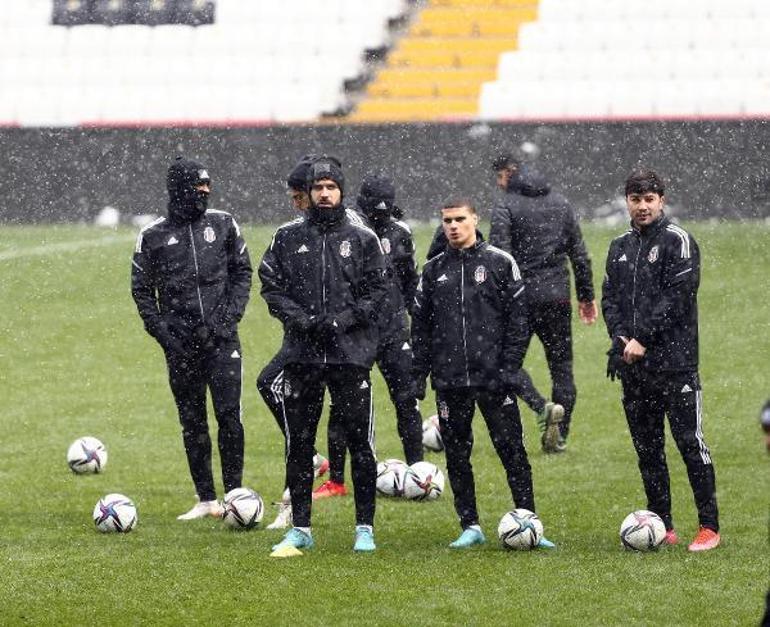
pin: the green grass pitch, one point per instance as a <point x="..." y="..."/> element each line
<point x="74" y="360"/>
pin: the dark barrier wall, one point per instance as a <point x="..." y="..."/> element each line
<point x="713" y="169"/>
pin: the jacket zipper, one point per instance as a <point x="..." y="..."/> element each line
<point x="462" y="313"/>
<point x="323" y="282"/>
<point x="633" y="292"/>
<point x="197" y="274"/>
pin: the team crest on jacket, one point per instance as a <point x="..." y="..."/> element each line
<point x="653" y="256"/>
<point x="345" y="248"/>
<point x="209" y="235"/>
<point x="385" y="245"/>
<point x="480" y="274"/>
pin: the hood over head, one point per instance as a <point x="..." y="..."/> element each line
<point x="186" y="204"/>
<point x="527" y="181"/>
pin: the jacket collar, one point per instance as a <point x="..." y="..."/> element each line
<point x="472" y="251"/>
<point x="652" y="229"/>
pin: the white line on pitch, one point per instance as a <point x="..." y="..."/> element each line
<point x="63" y="247"/>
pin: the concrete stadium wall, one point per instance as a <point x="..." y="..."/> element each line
<point x="713" y="169"/>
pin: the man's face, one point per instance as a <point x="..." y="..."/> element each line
<point x="644" y="208"/>
<point x="203" y="187"/>
<point x="325" y="194"/>
<point x="459" y="226"/>
<point x="299" y="199"/>
<point x="504" y="175"/>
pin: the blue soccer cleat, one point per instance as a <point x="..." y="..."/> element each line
<point x="468" y="538"/>
<point x="364" y="540"/>
<point x="296" y="539"/>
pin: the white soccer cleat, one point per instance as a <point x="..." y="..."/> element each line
<point x="203" y="509"/>
<point x="283" y="519"/>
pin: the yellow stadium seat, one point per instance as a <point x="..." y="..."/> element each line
<point x="417" y="109"/>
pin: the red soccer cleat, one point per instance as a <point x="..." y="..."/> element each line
<point x="706" y="540"/>
<point x="329" y="488"/>
<point x="671" y="537"/>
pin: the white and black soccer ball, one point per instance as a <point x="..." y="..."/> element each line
<point x="431" y="434"/>
<point x="642" y="530"/>
<point x="243" y="508"/>
<point x="423" y="481"/>
<point x="115" y="513"/>
<point x="86" y="454"/>
<point x="520" y="530"/>
<point x="390" y="477"/>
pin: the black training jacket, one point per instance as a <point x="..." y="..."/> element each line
<point x="539" y="228"/>
<point x="314" y="270"/>
<point x="469" y="322"/>
<point x="192" y="273"/>
<point x="650" y="293"/>
<point x="401" y="274"/>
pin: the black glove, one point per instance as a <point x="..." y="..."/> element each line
<point x="202" y="337"/>
<point x="169" y="337"/>
<point x="303" y="323"/>
<point x="420" y="384"/>
<point x="221" y="323"/>
<point x="615" y="362"/>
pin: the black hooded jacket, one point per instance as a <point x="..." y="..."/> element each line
<point x="469" y="323"/>
<point x="325" y="282"/>
<point x="539" y="228"/>
<point x="401" y="274"/>
<point x="650" y="294"/>
<point x="191" y="273"/>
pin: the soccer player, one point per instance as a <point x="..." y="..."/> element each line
<point x="469" y="332"/>
<point x="650" y="306"/>
<point x="539" y="228"/>
<point x="376" y="203"/>
<point x="190" y="279"/>
<point x="323" y="277"/>
<point x="270" y="379"/>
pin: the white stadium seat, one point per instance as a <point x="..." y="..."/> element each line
<point x="258" y="61"/>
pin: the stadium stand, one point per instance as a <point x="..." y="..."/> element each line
<point x="658" y="59"/>
<point x="436" y="70"/>
<point x="259" y="62"/>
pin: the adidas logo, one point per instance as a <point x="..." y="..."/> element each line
<point x="406" y="346"/>
<point x="686" y="389"/>
<point x="172" y="240"/>
<point x="235" y="355"/>
<point x="623" y="257"/>
<point x="364" y="386"/>
<point x="303" y="249"/>
<point x="508" y="401"/>
<point x="442" y="278"/>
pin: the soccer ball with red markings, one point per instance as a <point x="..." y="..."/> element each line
<point x="244" y="508"/>
<point x="115" y="513"/>
<point x="642" y="530"/>
<point x="390" y="477"/>
<point x="520" y="530"/>
<point x="86" y="454"/>
<point x="423" y="481"/>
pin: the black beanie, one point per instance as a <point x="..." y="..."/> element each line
<point x="325" y="167"/>
<point x="297" y="178"/>
<point x="376" y="188"/>
<point x="185" y="174"/>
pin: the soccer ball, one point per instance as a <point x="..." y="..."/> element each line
<point x="115" y="513"/>
<point x="520" y="529"/>
<point x="86" y="454"/>
<point x="423" y="481"/>
<point x="431" y="435"/>
<point x="390" y="477"/>
<point x="642" y="530"/>
<point x="243" y="508"/>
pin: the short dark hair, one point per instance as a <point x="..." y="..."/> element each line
<point x="643" y="181"/>
<point x="457" y="203"/>
<point x="505" y="160"/>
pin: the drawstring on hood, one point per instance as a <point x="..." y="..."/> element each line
<point x="186" y="204"/>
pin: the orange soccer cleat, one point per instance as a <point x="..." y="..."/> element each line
<point x="705" y="540"/>
<point x="329" y="488"/>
